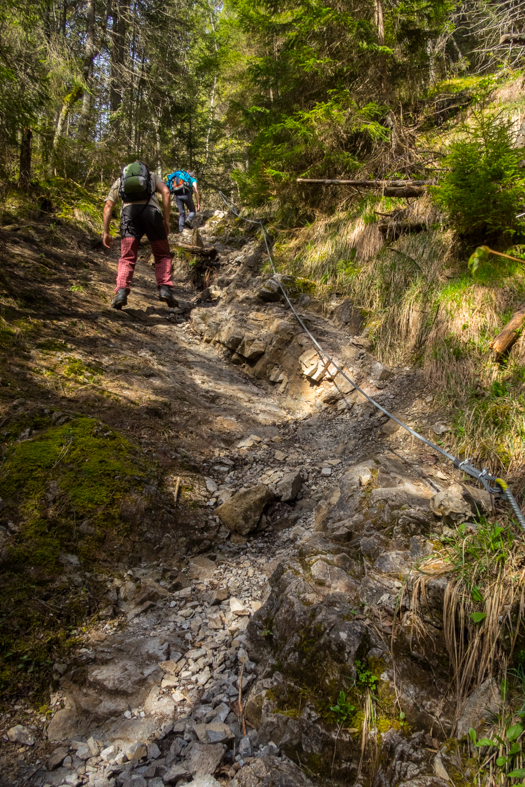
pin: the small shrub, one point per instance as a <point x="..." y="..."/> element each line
<point x="343" y="709"/>
<point x="482" y="188"/>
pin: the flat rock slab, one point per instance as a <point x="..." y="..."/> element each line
<point x="271" y="772"/>
<point x="485" y="701"/>
<point x="216" y="732"/>
<point x="205" y="758"/>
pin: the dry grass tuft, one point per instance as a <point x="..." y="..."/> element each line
<point x="484" y="601"/>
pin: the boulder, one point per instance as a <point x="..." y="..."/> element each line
<point x="270" y="771"/>
<point x="231" y="336"/>
<point x="344" y="314"/>
<point x="335" y="578"/>
<point x="63" y="725"/>
<point x="450" y="505"/>
<point x="289" y="486"/>
<point x="242" y="512"/>
<point x="270" y="292"/>
<point x="238" y="608"/>
<point x="380" y="372"/>
<point x="312" y="365"/>
<point x="482" y="703"/>
<point x="391" y="426"/>
<point x="479" y="500"/>
<point x="56" y="759"/>
<point x="251" y="348"/>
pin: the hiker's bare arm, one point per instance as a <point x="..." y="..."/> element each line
<point x="197" y="198"/>
<point x="107" y="240"/>
<point x="166" y="204"/>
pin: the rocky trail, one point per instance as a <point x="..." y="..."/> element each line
<point x="229" y="625"/>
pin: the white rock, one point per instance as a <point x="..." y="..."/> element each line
<point x="205" y="781"/>
<point x="249" y="442"/>
<point x="211" y="486"/>
<point x="109" y="753"/>
<point x="238" y="608"/>
<point x="20" y="734"/>
<point x="440" y="429"/>
<point x="439" y="769"/>
<point x="136" y="751"/>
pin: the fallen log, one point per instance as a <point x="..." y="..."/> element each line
<point x="210" y="252"/>
<point x="371" y="184"/>
<point x="403" y="192"/>
<point x="393" y="229"/>
<point x="509" y="335"/>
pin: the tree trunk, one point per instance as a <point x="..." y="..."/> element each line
<point x="212" y="117"/>
<point x="89" y="56"/>
<point x="509" y="335"/>
<point x="24" y="178"/>
<point x="380" y="22"/>
<point x="69" y="100"/>
<point x="190" y="137"/>
<point x="118" y="53"/>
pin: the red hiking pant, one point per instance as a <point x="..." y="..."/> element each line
<point x="135" y="222"/>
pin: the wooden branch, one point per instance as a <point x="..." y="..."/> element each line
<point x="176" y="492"/>
<point x="513" y="38"/>
<point x="509" y="335"/>
<point x="507" y="256"/>
<point x="371" y="184"/>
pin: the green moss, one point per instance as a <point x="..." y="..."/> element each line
<point x="301" y="286"/>
<point x="50" y="484"/>
<point x="458" y="85"/>
<point x="80" y="371"/>
<point x="52" y="345"/>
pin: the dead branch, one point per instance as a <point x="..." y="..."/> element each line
<point x="509" y="335"/>
<point x="371" y="184"/>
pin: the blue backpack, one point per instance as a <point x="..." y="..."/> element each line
<point x="179" y="183"/>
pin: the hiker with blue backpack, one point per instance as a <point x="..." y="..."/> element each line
<point x="137" y="187"/>
<point x="182" y="186"/>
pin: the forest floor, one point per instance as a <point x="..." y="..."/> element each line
<point x="152" y="686"/>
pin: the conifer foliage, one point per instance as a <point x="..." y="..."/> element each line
<point x="86" y="82"/>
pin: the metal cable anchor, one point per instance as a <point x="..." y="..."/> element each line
<point x="501" y="489"/>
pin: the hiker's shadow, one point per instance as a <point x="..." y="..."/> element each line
<point x="152" y="315"/>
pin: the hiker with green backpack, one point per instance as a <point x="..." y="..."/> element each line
<point x="137" y="187"/>
<point x="182" y="186"/>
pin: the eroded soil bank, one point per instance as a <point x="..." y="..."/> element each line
<point x="209" y="540"/>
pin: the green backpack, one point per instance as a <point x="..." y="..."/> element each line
<point x="135" y="183"/>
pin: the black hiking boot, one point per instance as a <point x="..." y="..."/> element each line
<point x="166" y="295"/>
<point x="188" y="224"/>
<point x="120" y="299"/>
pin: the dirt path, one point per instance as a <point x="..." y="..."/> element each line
<point x="155" y="695"/>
